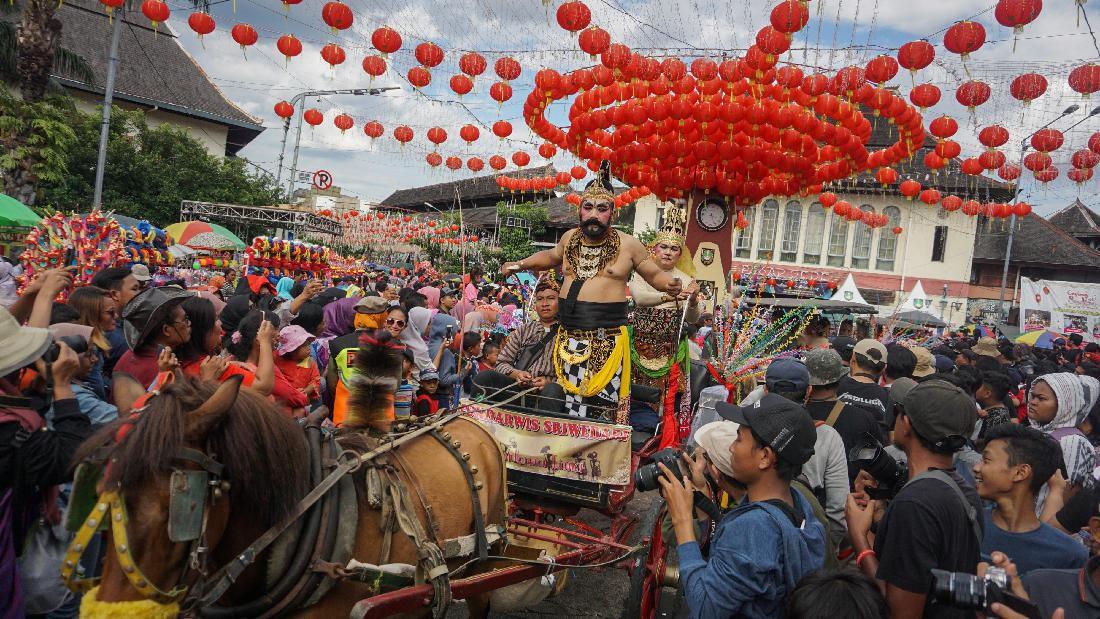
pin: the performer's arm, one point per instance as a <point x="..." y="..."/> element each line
<point x="643" y="294"/>
<point x="650" y="272"/>
<point x="543" y="260"/>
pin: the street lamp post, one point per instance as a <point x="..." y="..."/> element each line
<point x="1015" y="197"/>
<point x="298" y="98"/>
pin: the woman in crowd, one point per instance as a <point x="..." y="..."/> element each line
<point x="431" y="294"/>
<point x="235" y="309"/>
<point x="252" y="346"/>
<point x="284" y="289"/>
<point x="100" y="312"/>
<point x="1056" y="405"/>
<point x="339" y="319"/>
<point x="415" y="337"/>
<point x="206" y="335"/>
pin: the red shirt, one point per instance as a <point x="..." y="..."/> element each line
<point x="141" y="366"/>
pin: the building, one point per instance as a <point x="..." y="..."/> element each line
<point x="155" y="74"/>
<point x="1041" y="249"/>
<point x="464" y="193"/>
<point x="1081" y="222"/>
<point x="333" y="198"/>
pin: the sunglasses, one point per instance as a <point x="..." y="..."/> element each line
<point x="395" y="322"/>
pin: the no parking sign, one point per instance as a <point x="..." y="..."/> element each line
<point x="322" y="179"/>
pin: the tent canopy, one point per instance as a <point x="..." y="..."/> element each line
<point x="14" y="214"/>
<point x="917" y="317"/>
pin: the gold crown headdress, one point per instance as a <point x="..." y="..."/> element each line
<point x="675" y="225"/>
<point x="600" y="187"/>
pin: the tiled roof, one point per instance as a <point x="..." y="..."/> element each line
<point x="1038" y="242"/>
<point x="443" y="195"/>
<point x="1077" y="219"/>
<point x="154" y="70"/>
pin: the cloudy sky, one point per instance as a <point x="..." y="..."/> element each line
<point x="840" y="32"/>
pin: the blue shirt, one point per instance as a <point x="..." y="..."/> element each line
<point x="756" y="559"/>
<point x="1044" y="547"/>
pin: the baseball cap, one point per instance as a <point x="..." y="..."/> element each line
<point x="924" y="362"/>
<point x="944" y="363"/>
<point x="428" y="375"/>
<point x="873" y="350"/>
<point x="940" y="411"/>
<point x="779" y="423"/>
<point x="843" y="345"/>
<point x="371" y="305"/>
<point x="825" y="366"/>
<point x="901" y="388"/>
<point x="140" y="272"/>
<point x="716" y="437"/>
<point x="787" y="375"/>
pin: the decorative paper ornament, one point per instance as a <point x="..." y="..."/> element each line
<point x="790" y="16"/>
<point x="502" y="129"/>
<point x="521" y="158"/>
<point x="244" y="34"/>
<point x="964" y="38"/>
<point x="1028" y="87"/>
<point x="924" y="95"/>
<point x="469" y="133"/>
<point x="500" y="92"/>
<point x="156" y="11"/>
<point x="419" y="77"/>
<point x="343" y="122"/>
<point x="403" y="134"/>
<point x="461" y="84"/>
<point x="594" y="41"/>
<point x="333" y="54"/>
<point x="1085" y="79"/>
<point x="289" y="46"/>
<point x="507" y="68"/>
<point x="373" y="129"/>
<point x="574" y="16"/>
<point x="993" y="136"/>
<point x="201" y="23"/>
<point x="909" y="188"/>
<point x="916" y="55"/>
<point x="429" y="54"/>
<point x="472" y="64"/>
<point x="337" y="15"/>
<point x="374" y="66"/>
<point x="386" y="40"/>
<point x="313" y="117"/>
<point x="284" y="109"/>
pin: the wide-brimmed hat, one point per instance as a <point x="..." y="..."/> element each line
<point x="372" y="305"/>
<point x="141" y="273"/>
<point x="986" y="347"/>
<point x="20" y="346"/>
<point x="291" y="338"/>
<point x="148" y="310"/>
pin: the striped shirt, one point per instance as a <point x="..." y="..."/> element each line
<point x="523" y="338"/>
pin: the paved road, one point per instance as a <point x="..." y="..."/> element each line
<point x="588" y="593"/>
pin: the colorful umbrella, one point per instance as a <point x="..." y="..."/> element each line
<point x="13" y="214"/>
<point x="980" y="330"/>
<point x="1043" y="338"/>
<point x="201" y="235"/>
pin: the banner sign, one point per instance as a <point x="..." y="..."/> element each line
<point x="567" y="448"/>
<point x="1065" y="307"/>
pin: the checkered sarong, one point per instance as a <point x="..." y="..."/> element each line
<point x="578" y="406"/>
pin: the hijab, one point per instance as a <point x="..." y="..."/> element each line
<point x="1077" y="453"/>
<point x="283" y="288"/>
<point x="1068" y="391"/>
<point x="235" y="309"/>
<point x="438" y="331"/>
<point x="339" y="318"/>
<point x="432" y="294"/>
<point x="413" y="337"/>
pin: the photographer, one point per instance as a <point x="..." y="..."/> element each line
<point x="934" y="521"/>
<point x="761" y="548"/>
<point x="33" y="458"/>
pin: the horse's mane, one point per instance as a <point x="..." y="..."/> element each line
<point x="265" y="454"/>
<point x="378" y="373"/>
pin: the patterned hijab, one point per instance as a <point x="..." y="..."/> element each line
<point x="1068" y="389"/>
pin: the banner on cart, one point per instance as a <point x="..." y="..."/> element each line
<point x="566" y="448"/>
<point x="1065" y="307"/>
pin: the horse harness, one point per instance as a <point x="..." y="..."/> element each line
<point x="189" y="490"/>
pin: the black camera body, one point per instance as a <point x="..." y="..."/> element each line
<point x="967" y="591"/>
<point x="890" y="474"/>
<point x="646" y="477"/>
<point x="77" y="343"/>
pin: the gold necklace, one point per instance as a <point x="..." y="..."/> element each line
<point x="588" y="260"/>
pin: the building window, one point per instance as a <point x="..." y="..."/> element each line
<point x="838" y="241"/>
<point x="769" y="219"/>
<point x="887" y="240"/>
<point x="792" y="227"/>
<point x="815" y="230"/>
<point x="744" y="237"/>
<point x="939" y="244"/>
<point x="660" y="218"/>
<point x="861" y="244"/>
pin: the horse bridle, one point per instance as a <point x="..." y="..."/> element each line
<point x="188" y="487"/>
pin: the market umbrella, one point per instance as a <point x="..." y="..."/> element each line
<point x="200" y="234"/>
<point x="918" y="317"/>
<point x="14" y="214"/>
<point x="1043" y="338"/>
<point x="979" y="330"/>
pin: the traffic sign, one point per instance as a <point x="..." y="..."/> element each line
<point x="322" y="179"/>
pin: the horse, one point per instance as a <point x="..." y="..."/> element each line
<point x="261" y="463"/>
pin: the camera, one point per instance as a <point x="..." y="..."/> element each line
<point x="967" y="591"/>
<point x="890" y="474"/>
<point x="75" y="342"/>
<point x="646" y="477"/>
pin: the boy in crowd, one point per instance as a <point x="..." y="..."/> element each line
<point x="991" y="397"/>
<point x="860" y="388"/>
<point x="1016" y="462"/>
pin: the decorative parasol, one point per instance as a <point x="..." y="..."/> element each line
<point x="202" y="235"/>
<point x="980" y="330"/>
<point x="14" y="214"/>
<point x="1040" y="339"/>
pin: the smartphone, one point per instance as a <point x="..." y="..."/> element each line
<point x="70" y="257"/>
<point x="450" y="331"/>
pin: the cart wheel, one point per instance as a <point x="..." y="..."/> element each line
<point x="654" y="578"/>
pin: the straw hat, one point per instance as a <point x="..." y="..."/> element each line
<point x="20" y="346"/>
<point x="986" y="347"/>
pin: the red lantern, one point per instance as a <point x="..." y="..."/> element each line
<point x="403" y="134"/>
<point x="386" y="40"/>
<point x="502" y="129"/>
<point x="333" y="54"/>
<point x="842" y="208"/>
<point x="111" y="5"/>
<point x="434" y="159"/>
<point x="1050" y="174"/>
<point x="343" y="122"/>
<point x="827" y="199"/>
<point x="1085" y="79"/>
<point x="574" y="16"/>
<point x="289" y="46"/>
<point x="500" y="92"/>
<point x="1085" y="158"/>
<point x="497" y="162"/>
<point x="373" y="129"/>
<point x="507" y="68"/>
<point x="337" y="15"/>
<point x="951" y="203"/>
<point x="1094" y="142"/>
<point x="1016" y="14"/>
<point x="1022" y="209"/>
<point x="916" y="55"/>
<point x="156" y="11"/>
<point x="924" y="95"/>
<point x="475" y="164"/>
<point x="521" y="158"/>
<point x="1047" y="140"/>
<point x="972" y="93"/>
<point x="244" y="35"/>
<point x="930" y="196"/>
<point x="971" y="207"/>
<point x="790" y="16"/>
<point x="374" y="66"/>
<point x="992" y="159"/>
<point x="461" y="84"/>
<point x="881" y="69"/>
<point x="1037" y="161"/>
<point x="577" y="172"/>
<point x="284" y="109"/>
<point x="993" y="136"/>
<point x="1077" y="175"/>
<point x="887" y="176"/>
<point x="943" y="127"/>
<point x="563" y="178"/>
<point x="429" y="54"/>
<point x="947" y="149"/>
<point x="201" y="23"/>
<point x="419" y="77"/>
<point x="547" y="150"/>
<point x="594" y="41"/>
<point x="313" y="117"/>
<point x="964" y="38"/>
<point x="972" y="166"/>
<point x="454" y="163"/>
<point x="896" y="230"/>
<point x="909" y="188"/>
<point x="469" y="133"/>
<point x="1009" y="172"/>
<point x="437" y="136"/>
<point x="1028" y="87"/>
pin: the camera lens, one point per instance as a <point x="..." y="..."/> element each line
<point x="646" y="478"/>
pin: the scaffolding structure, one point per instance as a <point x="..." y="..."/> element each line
<point x="235" y="217"/>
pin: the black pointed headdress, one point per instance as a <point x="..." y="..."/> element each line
<point x="600" y="187"/>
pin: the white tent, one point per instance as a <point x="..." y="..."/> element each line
<point x="917" y="300"/>
<point x="848" y="292"/>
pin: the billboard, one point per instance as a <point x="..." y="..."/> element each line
<point x="1065" y="307"/>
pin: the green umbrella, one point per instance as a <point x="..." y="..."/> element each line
<point x="13" y="214"/>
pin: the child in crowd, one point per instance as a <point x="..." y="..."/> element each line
<point x="426" y="402"/>
<point x="293" y="359"/>
<point x="403" y="399"/>
<point x="489" y="354"/>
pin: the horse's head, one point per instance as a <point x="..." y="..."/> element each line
<point x="175" y="474"/>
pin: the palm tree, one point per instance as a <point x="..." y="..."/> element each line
<point x="29" y="51"/>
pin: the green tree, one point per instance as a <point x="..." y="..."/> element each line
<point x="35" y="141"/>
<point x="150" y="170"/>
<point x="515" y="242"/>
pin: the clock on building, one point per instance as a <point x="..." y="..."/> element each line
<point x="712" y="215"/>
